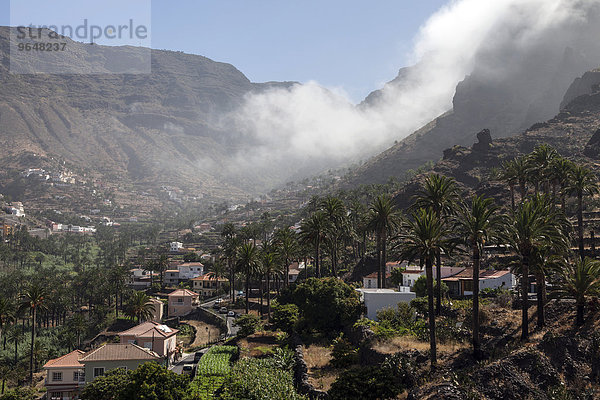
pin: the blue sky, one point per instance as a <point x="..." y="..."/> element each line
<point x="356" y="45"/>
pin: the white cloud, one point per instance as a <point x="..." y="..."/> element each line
<point x="503" y="40"/>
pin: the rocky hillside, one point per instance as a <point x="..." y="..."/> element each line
<point x="158" y="128"/>
<point x="574" y="132"/>
<point x="506" y="105"/>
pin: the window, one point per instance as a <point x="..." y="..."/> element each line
<point x="56" y="396"/>
<point x="57" y="376"/>
<point x="180" y="300"/>
<point x="468" y="286"/>
<point x="78" y="376"/>
<point x="99" y="371"/>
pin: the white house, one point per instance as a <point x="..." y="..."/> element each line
<point x="412" y="273"/>
<point x="176" y="247"/>
<point x="378" y="299"/>
<point x="190" y="270"/>
<point x="461" y="284"/>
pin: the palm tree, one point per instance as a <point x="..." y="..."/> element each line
<point x="477" y="224"/>
<point x="540" y="161"/>
<point x="16" y="335"/>
<point x="286" y="244"/>
<point x="230" y="250"/>
<point x="140" y="307"/>
<point x="582" y="181"/>
<point x="313" y="232"/>
<point x="247" y="261"/>
<point x="424" y="237"/>
<point x="267" y="268"/>
<point x="5" y="310"/>
<point x="579" y="281"/>
<point x="533" y="226"/>
<point x="118" y="275"/>
<point x="383" y="220"/>
<point x="40" y="352"/>
<point x="440" y="194"/>
<point x="508" y="174"/>
<point x="561" y="169"/>
<point x="33" y="299"/>
<point x="78" y="325"/>
<point x="358" y="221"/>
<point x="336" y="215"/>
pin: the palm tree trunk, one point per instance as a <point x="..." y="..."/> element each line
<point x="317" y="263"/>
<point x="541" y="298"/>
<point x="269" y="297"/>
<point x="286" y="279"/>
<point x="383" y="260"/>
<point x="247" y="289"/>
<point x="476" y="266"/>
<point x="512" y="197"/>
<point x="438" y="271"/>
<point x="525" y="299"/>
<point x="31" y="349"/>
<point x="379" y="285"/>
<point x="523" y="191"/>
<point x="432" y="345"/>
<point x="260" y="294"/>
<point x="580" y="223"/>
<point x="580" y="312"/>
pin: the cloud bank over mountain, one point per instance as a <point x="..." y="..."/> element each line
<point x="524" y="47"/>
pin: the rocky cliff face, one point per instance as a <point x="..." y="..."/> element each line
<point x="506" y="105"/>
<point x="574" y="133"/>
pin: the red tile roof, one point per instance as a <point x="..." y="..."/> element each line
<point x="70" y="360"/>
<point x="467" y="273"/>
<point x="149" y="330"/>
<point x="209" y="277"/>
<point x="118" y="352"/>
<point x="183" y="292"/>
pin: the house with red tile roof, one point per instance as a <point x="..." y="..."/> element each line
<point x="115" y="355"/>
<point x="182" y="302"/>
<point x="64" y="376"/>
<point x="151" y="335"/>
<point x="370" y="281"/>
<point x="207" y="285"/>
<point x="461" y="284"/>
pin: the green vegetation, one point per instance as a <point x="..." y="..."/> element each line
<point x="217" y="361"/>
<point x="248" y="324"/>
<point x="326" y="305"/>
<point x="212" y="371"/>
<point x="148" y="381"/>
<point x="259" y="379"/>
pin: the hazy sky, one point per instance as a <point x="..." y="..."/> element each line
<point x="354" y="45"/>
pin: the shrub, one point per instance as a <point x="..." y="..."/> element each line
<point x="403" y="316"/>
<point x="285" y="317"/>
<point x="343" y="353"/>
<point x="420" y="305"/>
<point x="366" y="383"/>
<point x="420" y="287"/>
<point x="20" y="393"/>
<point x="248" y="324"/>
<point x="325" y="304"/>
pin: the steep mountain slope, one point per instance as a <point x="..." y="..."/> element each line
<point x="574" y="132"/>
<point x="506" y="104"/>
<point x="158" y="128"/>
